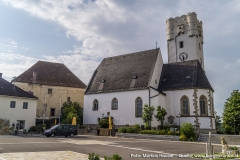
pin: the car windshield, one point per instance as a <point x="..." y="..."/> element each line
<point x="54" y="127"/>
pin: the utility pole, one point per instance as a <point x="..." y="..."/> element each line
<point x="60" y="109"/>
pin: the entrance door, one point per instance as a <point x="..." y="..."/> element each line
<point x="20" y="125"/>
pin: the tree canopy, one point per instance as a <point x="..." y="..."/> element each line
<point x="231" y="118"/>
<point x="148" y="112"/>
<point x="70" y="110"/>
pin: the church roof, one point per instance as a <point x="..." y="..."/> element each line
<point x="125" y="72"/>
<point x="183" y="75"/>
<point x="8" y="89"/>
<point x="52" y="74"/>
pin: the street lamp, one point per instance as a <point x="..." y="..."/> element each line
<point x="179" y="116"/>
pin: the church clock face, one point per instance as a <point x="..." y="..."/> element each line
<point x="183" y="56"/>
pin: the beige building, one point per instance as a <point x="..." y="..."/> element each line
<point x="53" y="84"/>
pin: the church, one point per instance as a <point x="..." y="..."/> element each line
<point x="122" y="85"/>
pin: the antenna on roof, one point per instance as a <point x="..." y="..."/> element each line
<point x="156" y="44"/>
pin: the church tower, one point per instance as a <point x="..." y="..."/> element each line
<point x="185" y="38"/>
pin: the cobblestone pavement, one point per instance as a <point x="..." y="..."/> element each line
<point x="56" y="155"/>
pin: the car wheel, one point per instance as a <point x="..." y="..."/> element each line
<point x="66" y="136"/>
<point x="48" y="136"/>
<point x="71" y="135"/>
<point x="53" y="135"/>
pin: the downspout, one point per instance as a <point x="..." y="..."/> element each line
<point x="149" y="96"/>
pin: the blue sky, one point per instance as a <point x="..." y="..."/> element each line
<point x="80" y="33"/>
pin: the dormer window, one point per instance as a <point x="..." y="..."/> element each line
<point x="135" y="77"/>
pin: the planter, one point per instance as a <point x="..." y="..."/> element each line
<point x="103" y="131"/>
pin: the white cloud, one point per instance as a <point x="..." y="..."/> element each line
<point x="8" y="45"/>
<point x="14" y="64"/>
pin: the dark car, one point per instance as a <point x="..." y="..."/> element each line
<point x="61" y="130"/>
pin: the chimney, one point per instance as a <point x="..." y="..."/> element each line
<point x="34" y="80"/>
<point x="0" y="75"/>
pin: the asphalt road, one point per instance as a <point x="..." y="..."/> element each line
<point x="44" y="147"/>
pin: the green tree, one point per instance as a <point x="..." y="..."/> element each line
<point x="70" y="110"/>
<point x="231" y="118"/>
<point x="187" y="129"/>
<point x="148" y="112"/>
<point x="218" y="122"/>
<point x="160" y="116"/>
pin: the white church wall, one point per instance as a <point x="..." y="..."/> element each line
<point x="173" y="106"/>
<point x="159" y="100"/>
<point x="126" y="107"/>
<point x="157" y="71"/>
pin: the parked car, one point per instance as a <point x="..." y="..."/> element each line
<point x="61" y="130"/>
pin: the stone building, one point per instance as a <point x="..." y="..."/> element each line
<point x="121" y="85"/>
<point x="53" y="84"/>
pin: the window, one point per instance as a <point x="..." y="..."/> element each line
<point x="199" y="46"/>
<point x="49" y="91"/>
<point x="68" y="99"/>
<point x="25" y="105"/>
<point x="203" y="105"/>
<point x="181" y="44"/>
<point x="114" y="104"/>
<point x="95" y="105"/>
<point x="12" y="104"/>
<point x="185" y="106"/>
<point x="138" y="104"/>
<point x="52" y="112"/>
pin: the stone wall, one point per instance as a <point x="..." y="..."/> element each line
<point x="52" y="99"/>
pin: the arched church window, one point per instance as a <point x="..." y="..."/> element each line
<point x="203" y="105"/>
<point x="95" y="105"/>
<point x="138" y="108"/>
<point x="114" y="104"/>
<point x="185" y="110"/>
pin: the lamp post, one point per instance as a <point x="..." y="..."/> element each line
<point x="60" y="109"/>
<point x="179" y="116"/>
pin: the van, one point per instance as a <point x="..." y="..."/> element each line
<point x="61" y="130"/>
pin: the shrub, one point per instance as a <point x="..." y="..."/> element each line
<point x="162" y="132"/>
<point x="188" y="130"/>
<point x="192" y="138"/>
<point x="233" y="148"/>
<point x="130" y="130"/>
<point x="136" y="128"/>
<point x="183" y="137"/>
<point x="114" y="157"/>
<point x="32" y="129"/>
<point x="170" y="133"/>
<point x="39" y="128"/>
<point x="149" y="132"/>
<point x="177" y="133"/>
<point x="122" y="130"/>
<point x="103" y="123"/>
<point x="93" y="157"/>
